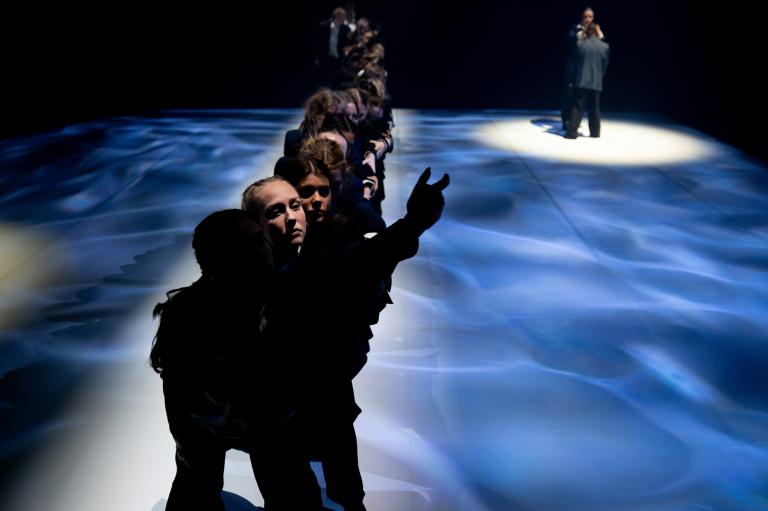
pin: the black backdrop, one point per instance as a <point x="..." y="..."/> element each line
<point x="694" y="63"/>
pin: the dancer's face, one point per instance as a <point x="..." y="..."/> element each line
<point x="281" y="214"/>
<point x="587" y="18"/>
<point x="315" y="193"/>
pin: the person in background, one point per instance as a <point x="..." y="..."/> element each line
<point x="587" y="66"/>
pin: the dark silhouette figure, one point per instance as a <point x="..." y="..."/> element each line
<point x="225" y="384"/>
<point x="331" y="37"/>
<point x="343" y="278"/>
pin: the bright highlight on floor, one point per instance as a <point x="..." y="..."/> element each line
<point x="584" y="329"/>
<point x="620" y="143"/>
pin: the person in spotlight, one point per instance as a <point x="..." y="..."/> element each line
<point x="586" y="67"/>
<point x="340" y="275"/>
<point x="225" y="385"/>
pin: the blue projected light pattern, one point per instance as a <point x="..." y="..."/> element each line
<point x="587" y="336"/>
<point x="573" y="335"/>
<point x="106" y="211"/>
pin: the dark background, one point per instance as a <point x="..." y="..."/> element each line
<point x="695" y="64"/>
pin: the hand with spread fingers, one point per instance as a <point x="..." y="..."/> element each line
<point x="425" y="205"/>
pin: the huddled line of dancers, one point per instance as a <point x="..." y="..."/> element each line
<point x="259" y="353"/>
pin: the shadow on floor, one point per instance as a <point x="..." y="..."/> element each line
<point x="553" y="126"/>
<point x="232" y="502"/>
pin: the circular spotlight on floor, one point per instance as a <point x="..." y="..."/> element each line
<point x="620" y="143"/>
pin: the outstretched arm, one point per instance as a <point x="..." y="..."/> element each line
<point x="401" y="239"/>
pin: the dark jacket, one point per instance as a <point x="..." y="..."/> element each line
<point x="218" y="370"/>
<point x="590" y="61"/>
<point x="323" y="37"/>
<point x="343" y="281"/>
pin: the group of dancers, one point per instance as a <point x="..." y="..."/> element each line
<point x="259" y="353"/>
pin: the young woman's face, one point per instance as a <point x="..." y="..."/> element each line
<point x="281" y="215"/>
<point x="315" y="194"/>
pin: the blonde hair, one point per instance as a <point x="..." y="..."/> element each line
<point x="248" y="202"/>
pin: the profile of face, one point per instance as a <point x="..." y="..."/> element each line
<point x="587" y="17"/>
<point x="315" y="193"/>
<point x="281" y="214"/>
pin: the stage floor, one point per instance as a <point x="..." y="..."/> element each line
<point x="584" y="329"/>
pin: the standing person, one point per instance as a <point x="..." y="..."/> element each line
<point x="225" y="385"/>
<point x="331" y="38"/>
<point x="588" y="63"/>
<point x="341" y="280"/>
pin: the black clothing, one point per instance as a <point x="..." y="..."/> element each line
<point x="376" y="129"/>
<point x="350" y="275"/>
<point x="225" y="387"/>
<point x="323" y="37"/>
<point x="279" y="461"/>
<point x="359" y="210"/>
<point x="292" y="143"/>
<point x="592" y="100"/>
<point x="327" y="62"/>
<point x="588" y="62"/>
<point x="566" y="99"/>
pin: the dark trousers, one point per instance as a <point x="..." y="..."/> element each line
<point x="566" y="99"/>
<point x="580" y="99"/>
<point x="335" y="446"/>
<point x="330" y="439"/>
<point x="281" y="468"/>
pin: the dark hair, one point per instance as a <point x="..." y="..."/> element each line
<point x="233" y="256"/>
<point x="217" y="240"/>
<point x="289" y="168"/>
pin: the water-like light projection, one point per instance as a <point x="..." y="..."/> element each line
<point x="621" y="142"/>
<point x="583" y="329"/>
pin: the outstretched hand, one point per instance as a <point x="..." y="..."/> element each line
<point x="425" y="205"/>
